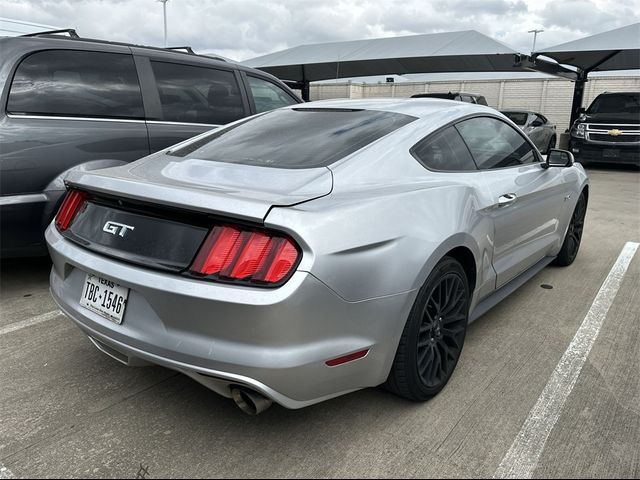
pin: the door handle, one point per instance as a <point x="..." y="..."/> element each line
<point x="507" y="199"/>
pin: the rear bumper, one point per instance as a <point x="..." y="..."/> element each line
<point x="273" y="341"/>
<point x="613" y="153"/>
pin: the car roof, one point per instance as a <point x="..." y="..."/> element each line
<point x="416" y="107"/>
<point x="52" y="41"/>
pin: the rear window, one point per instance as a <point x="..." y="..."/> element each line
<point x="519" y="118"/>
<point x="296" y="138"/>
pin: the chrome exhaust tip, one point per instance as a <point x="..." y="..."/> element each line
<point x="250" y="402"/>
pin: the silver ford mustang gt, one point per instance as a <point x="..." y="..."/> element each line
<point x="314" y="250"/>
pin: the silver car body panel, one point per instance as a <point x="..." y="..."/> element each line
<point x="542" y="135"/>
<point x="371" y="228"/>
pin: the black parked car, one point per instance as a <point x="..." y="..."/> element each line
<point x="71" y="103"/>
<point x="609" y="130"/>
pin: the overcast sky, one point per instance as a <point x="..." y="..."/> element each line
<point x="242" y="29"/>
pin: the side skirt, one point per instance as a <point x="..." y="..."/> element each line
<point x="503" y="292"/>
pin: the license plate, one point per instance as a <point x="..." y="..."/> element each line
<point x="610" y="153"/>
<point x="104" y="297"/>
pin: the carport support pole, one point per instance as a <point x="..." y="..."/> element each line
<point x="306" y="90"/>
<point x="305" y="86"/>
<point x="578" y="96"/>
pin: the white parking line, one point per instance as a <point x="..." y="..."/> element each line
<point x="522" y="458"/>
<point x="29" y="322"/>
<point x="5" y="472"/>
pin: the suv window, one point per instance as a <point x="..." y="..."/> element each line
<point x="444" y="150"/>
<point x="193" y="94"/>
<point x="295" y="137"/>
<point x="267" y="95"/>
<point x="494" y="144"/>
<point x="466" y="98"/>
<point x="482" y="101"/>
<point x="76" y="83"/>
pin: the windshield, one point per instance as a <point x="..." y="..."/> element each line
<point x="618" y="103"/>
<point x="519" y="118"/>
<point x="295" y="138"/>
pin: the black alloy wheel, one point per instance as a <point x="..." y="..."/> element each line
<point x="572" y="240"/>
<point x="441" y="333"/>
<point x="433" y="336"/>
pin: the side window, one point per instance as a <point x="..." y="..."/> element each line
<point x="482" y="101"/>
<point x="192" y="94"/>
<point x="444" y="151"/>
<point x="77" y="83"/>
<point x="267" y="95"/>
<point x="466" y="98"/>
<point x="494" y="144"/>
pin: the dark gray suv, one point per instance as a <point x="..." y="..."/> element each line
<point x="70" y="103"/>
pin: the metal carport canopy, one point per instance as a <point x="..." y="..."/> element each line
<point x="466" y="51"/>
<point x="617" y="49"/>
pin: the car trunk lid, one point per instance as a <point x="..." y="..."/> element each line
<point x="241" y="191"/>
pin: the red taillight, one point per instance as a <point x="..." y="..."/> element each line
<point x="70" y="207"/>
<point x="255" y="256"/>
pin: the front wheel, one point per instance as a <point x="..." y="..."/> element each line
<point x="433" y="336"/>
<point x="573" y="238"/>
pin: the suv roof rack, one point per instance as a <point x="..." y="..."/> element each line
<point x="186" y="48"/>
<point x="72" y="33"/>
<point x="189" y="50"/>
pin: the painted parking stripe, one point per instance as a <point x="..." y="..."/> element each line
<point x="5" y="472"/>
<point x="522" y="458"/>
<point x="30" y="322"/>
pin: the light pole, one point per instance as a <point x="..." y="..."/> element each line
<point x="164" y="11"/>
<point x="535" y="36"/>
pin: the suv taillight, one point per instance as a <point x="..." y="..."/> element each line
<point x="70" y="207"/>
<point x="233" y="253"/>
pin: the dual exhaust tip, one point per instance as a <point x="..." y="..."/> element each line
<point x="250" y="402"/>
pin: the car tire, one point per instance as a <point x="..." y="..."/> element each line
<point x="573" y="237"/>
<point x="433" y="336"/>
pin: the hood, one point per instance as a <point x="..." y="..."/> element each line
<point x="614" y="118"/>
<point x="242" y="191"/>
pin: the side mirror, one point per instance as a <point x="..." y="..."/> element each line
<point x="559" y="158"/>
<point x="536" y="123"/>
